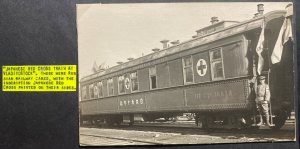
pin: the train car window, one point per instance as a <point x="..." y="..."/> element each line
<point x="134" y="82"/>
<point x="95" y="91"/>
<point x="91" y="91"/>
<point x="110" y="87"/>
<point x="152" y="76"/>
<point x="100" y="89"/>
<point x="217" y="68"/>
<point x="121" y="84"/>
<point x="84" y="93"/>
<point x="188" y="70"/>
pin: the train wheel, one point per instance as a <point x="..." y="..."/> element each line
<point x="205" y="122"/>
<point x="109" y="121"/>
<point x="197" y="119"/>
<point x="279" y="120"/>
<point x="118" y="123"/>
<point x="148" y="118"/>
<point x="249" y="123"/>
<point x="113" y="120"/>
<point x="131" y="117"/>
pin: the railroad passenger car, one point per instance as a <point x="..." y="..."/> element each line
<point x="212" y="75"/>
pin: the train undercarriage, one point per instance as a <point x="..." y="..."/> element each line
<point x="244" y="119"/>
<point x="239" y="120"/>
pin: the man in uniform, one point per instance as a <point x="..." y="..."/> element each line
<point x="262" y="100"/>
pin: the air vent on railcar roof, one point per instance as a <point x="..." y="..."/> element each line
<point x="215" y="26"/>
<point x="165" y="43"/>
<point x="119" y="63"/>
<point x="260" y="10"/>
<point x="155" y="49"/>
<point x="130" y="58"/>
<point x="214" y="20"/>
<point x="175" y="42"/>
<point x="194" y="36"/>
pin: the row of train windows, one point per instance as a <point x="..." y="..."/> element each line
<point x="124" y="83"/>
<point x="96" y="90"/>
<point x="131" y="82"/>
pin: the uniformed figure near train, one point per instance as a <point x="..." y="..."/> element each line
<point x="214" y="75"/>
<point x="262" y="100"/>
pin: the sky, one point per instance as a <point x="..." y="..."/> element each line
<point x="108" y="33"/>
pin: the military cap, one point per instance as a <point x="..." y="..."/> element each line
<point x="261" y="77"/>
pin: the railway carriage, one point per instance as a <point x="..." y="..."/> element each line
<point x="212" y="75"/>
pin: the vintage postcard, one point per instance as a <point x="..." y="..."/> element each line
<point x="186" y="73"/>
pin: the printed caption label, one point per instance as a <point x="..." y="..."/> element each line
<point x="39" y="78"/>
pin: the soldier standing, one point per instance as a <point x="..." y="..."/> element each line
<point x="262" y="100"/>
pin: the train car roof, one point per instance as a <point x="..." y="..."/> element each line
<point x="216" y="24"/>
<point x="198" y="41"/>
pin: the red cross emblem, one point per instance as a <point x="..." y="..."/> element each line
<point x="201" y="67"/>
<point x="127" y="83"/>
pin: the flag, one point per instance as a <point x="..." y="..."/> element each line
<point x="259" y="49"/>
<point x="284" y="35"/>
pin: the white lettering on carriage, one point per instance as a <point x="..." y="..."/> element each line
<point x="131" y="102"/>
<point x="215" y="94"/>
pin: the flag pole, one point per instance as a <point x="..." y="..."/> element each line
<point x="269" y="72"/>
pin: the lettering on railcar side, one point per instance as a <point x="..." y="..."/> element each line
<point x="215" y="94"/>
<point x="129" y="102"/>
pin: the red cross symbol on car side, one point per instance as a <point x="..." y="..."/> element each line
<point x="127" y="83"/>
<point x="201" y="67"/>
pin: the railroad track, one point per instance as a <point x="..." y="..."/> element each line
<point x="191" y="126"/>
<point x="265" y="130"/>
<point x="100" y="140"/>
<point x="161" y="133"/>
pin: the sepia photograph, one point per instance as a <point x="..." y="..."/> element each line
<point x="186" y="73"/>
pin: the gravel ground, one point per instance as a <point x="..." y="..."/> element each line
<point x="169" y="135"/>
